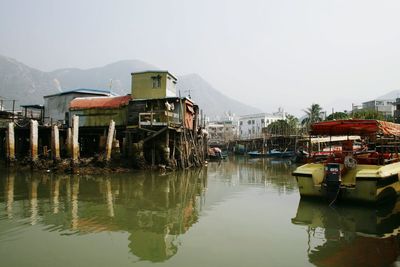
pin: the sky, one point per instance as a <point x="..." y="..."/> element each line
<point x="268" y="54"/>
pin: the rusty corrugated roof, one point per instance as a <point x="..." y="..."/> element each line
<point x="99" y="102"/>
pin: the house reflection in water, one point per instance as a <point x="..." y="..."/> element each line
<point x="350" y="236"/>
<point x="153" y="209"/>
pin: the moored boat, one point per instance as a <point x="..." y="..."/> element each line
<point x="257" y="154"/>
<point x="369" y="174"/>
<point x="274" y="153"/>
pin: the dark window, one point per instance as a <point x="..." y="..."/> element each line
<point x="156" y="81"/>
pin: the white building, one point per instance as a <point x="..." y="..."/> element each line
<point x="251" y="126"/>
<point x="386" y="107"/>
<point x="220" y="133"/>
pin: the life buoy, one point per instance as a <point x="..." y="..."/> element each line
<point x="350" y="162"/>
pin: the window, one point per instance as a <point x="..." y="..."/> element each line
<point x="156" y="81"/>
<point x="252" y="122"/>
<point x="262" y="121"/>
<point x="241" y="123"/>
<point x="249" y="122"/>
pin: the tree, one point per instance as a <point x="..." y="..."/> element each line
<point x="284" y="127"/>
<point x="338" y="116"/>
<point x="293" y="122"/>
<point x="368" y="114"/>
<point x="313" y="115"/>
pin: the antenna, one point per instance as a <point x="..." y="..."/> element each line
<point x="111" y="83"/>
<point x="189" y="96"/>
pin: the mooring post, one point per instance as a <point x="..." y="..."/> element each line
<point x="110" y="138"/>
<point x="55" y="143"/>
<point x="34" y="139"/>
<point x="10" y="143"/>
<point x="75" y="139"/>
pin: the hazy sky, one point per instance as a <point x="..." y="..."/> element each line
<point x="287" y="53"/>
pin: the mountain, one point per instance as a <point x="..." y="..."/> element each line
<point x="24" y="84"/>
<point x="28" y="85"/>
<point x="209" y="99"/>
<point x="391" y="95"/>
<point x="116" y="75"/>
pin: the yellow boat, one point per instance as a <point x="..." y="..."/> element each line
<point x="368" y="174"/>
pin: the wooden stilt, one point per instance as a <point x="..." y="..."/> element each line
<point x="10" y="143"/>
<point x="55" y="143"/>
<point x="167" y="149"/>
<point x="68" y="142"/>
<point x="110" y="138"/>
<point x="34" y="140"/>
<point x="75" y="138"/>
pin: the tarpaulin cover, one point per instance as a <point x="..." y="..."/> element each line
<point x="355" y="127"/>
<point x="99" y="102"/>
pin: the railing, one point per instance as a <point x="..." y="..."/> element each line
<point x="158" y="118"/>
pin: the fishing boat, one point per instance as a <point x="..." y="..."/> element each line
<point x="257" y="154"/>
<point x="368" y="174"/>
<point x="274" y="153"/>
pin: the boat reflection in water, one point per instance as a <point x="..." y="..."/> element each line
<point x="153" y="209"/>
<point x="350" y="236"/>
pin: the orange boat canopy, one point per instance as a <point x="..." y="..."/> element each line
<point x="355" y="127"/>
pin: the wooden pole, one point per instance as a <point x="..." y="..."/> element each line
<point x="10" y="143"/>
<point x="34" y="140"/>
<point x="75" y="139"/>
<point x="68" y="142"/>
<point x="55" y="143"/>
<point x="167" y="149"/>
<point x="110" y="138"/>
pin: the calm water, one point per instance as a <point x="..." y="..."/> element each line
<point x="238" y="213"/>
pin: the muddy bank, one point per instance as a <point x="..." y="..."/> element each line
<point x="82" y="166"/>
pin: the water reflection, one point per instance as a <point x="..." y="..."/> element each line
<point x="153" y="209"/>
<point x="350" y="236"/>
<point x="9" y="194"/>
<point x="274" y="174"/>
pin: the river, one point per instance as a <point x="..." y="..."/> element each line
<point x="239" y="212"/>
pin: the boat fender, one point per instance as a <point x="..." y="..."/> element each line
<point x="350" y="162"/>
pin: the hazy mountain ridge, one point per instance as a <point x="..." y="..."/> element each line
<point x="391" y="95"/>
<point x="212" y="101"/>
<point x="24" y="84"/>
<point x="116" y="76"/>
<point x="28" y="85"/>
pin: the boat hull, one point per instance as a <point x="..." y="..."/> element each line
<point x="366" y="183"/>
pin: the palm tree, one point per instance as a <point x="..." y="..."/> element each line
<point x="313" y="114"/>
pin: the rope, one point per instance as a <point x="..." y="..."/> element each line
<point x="21" y="126"/>
<point x="334" y="200"/>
